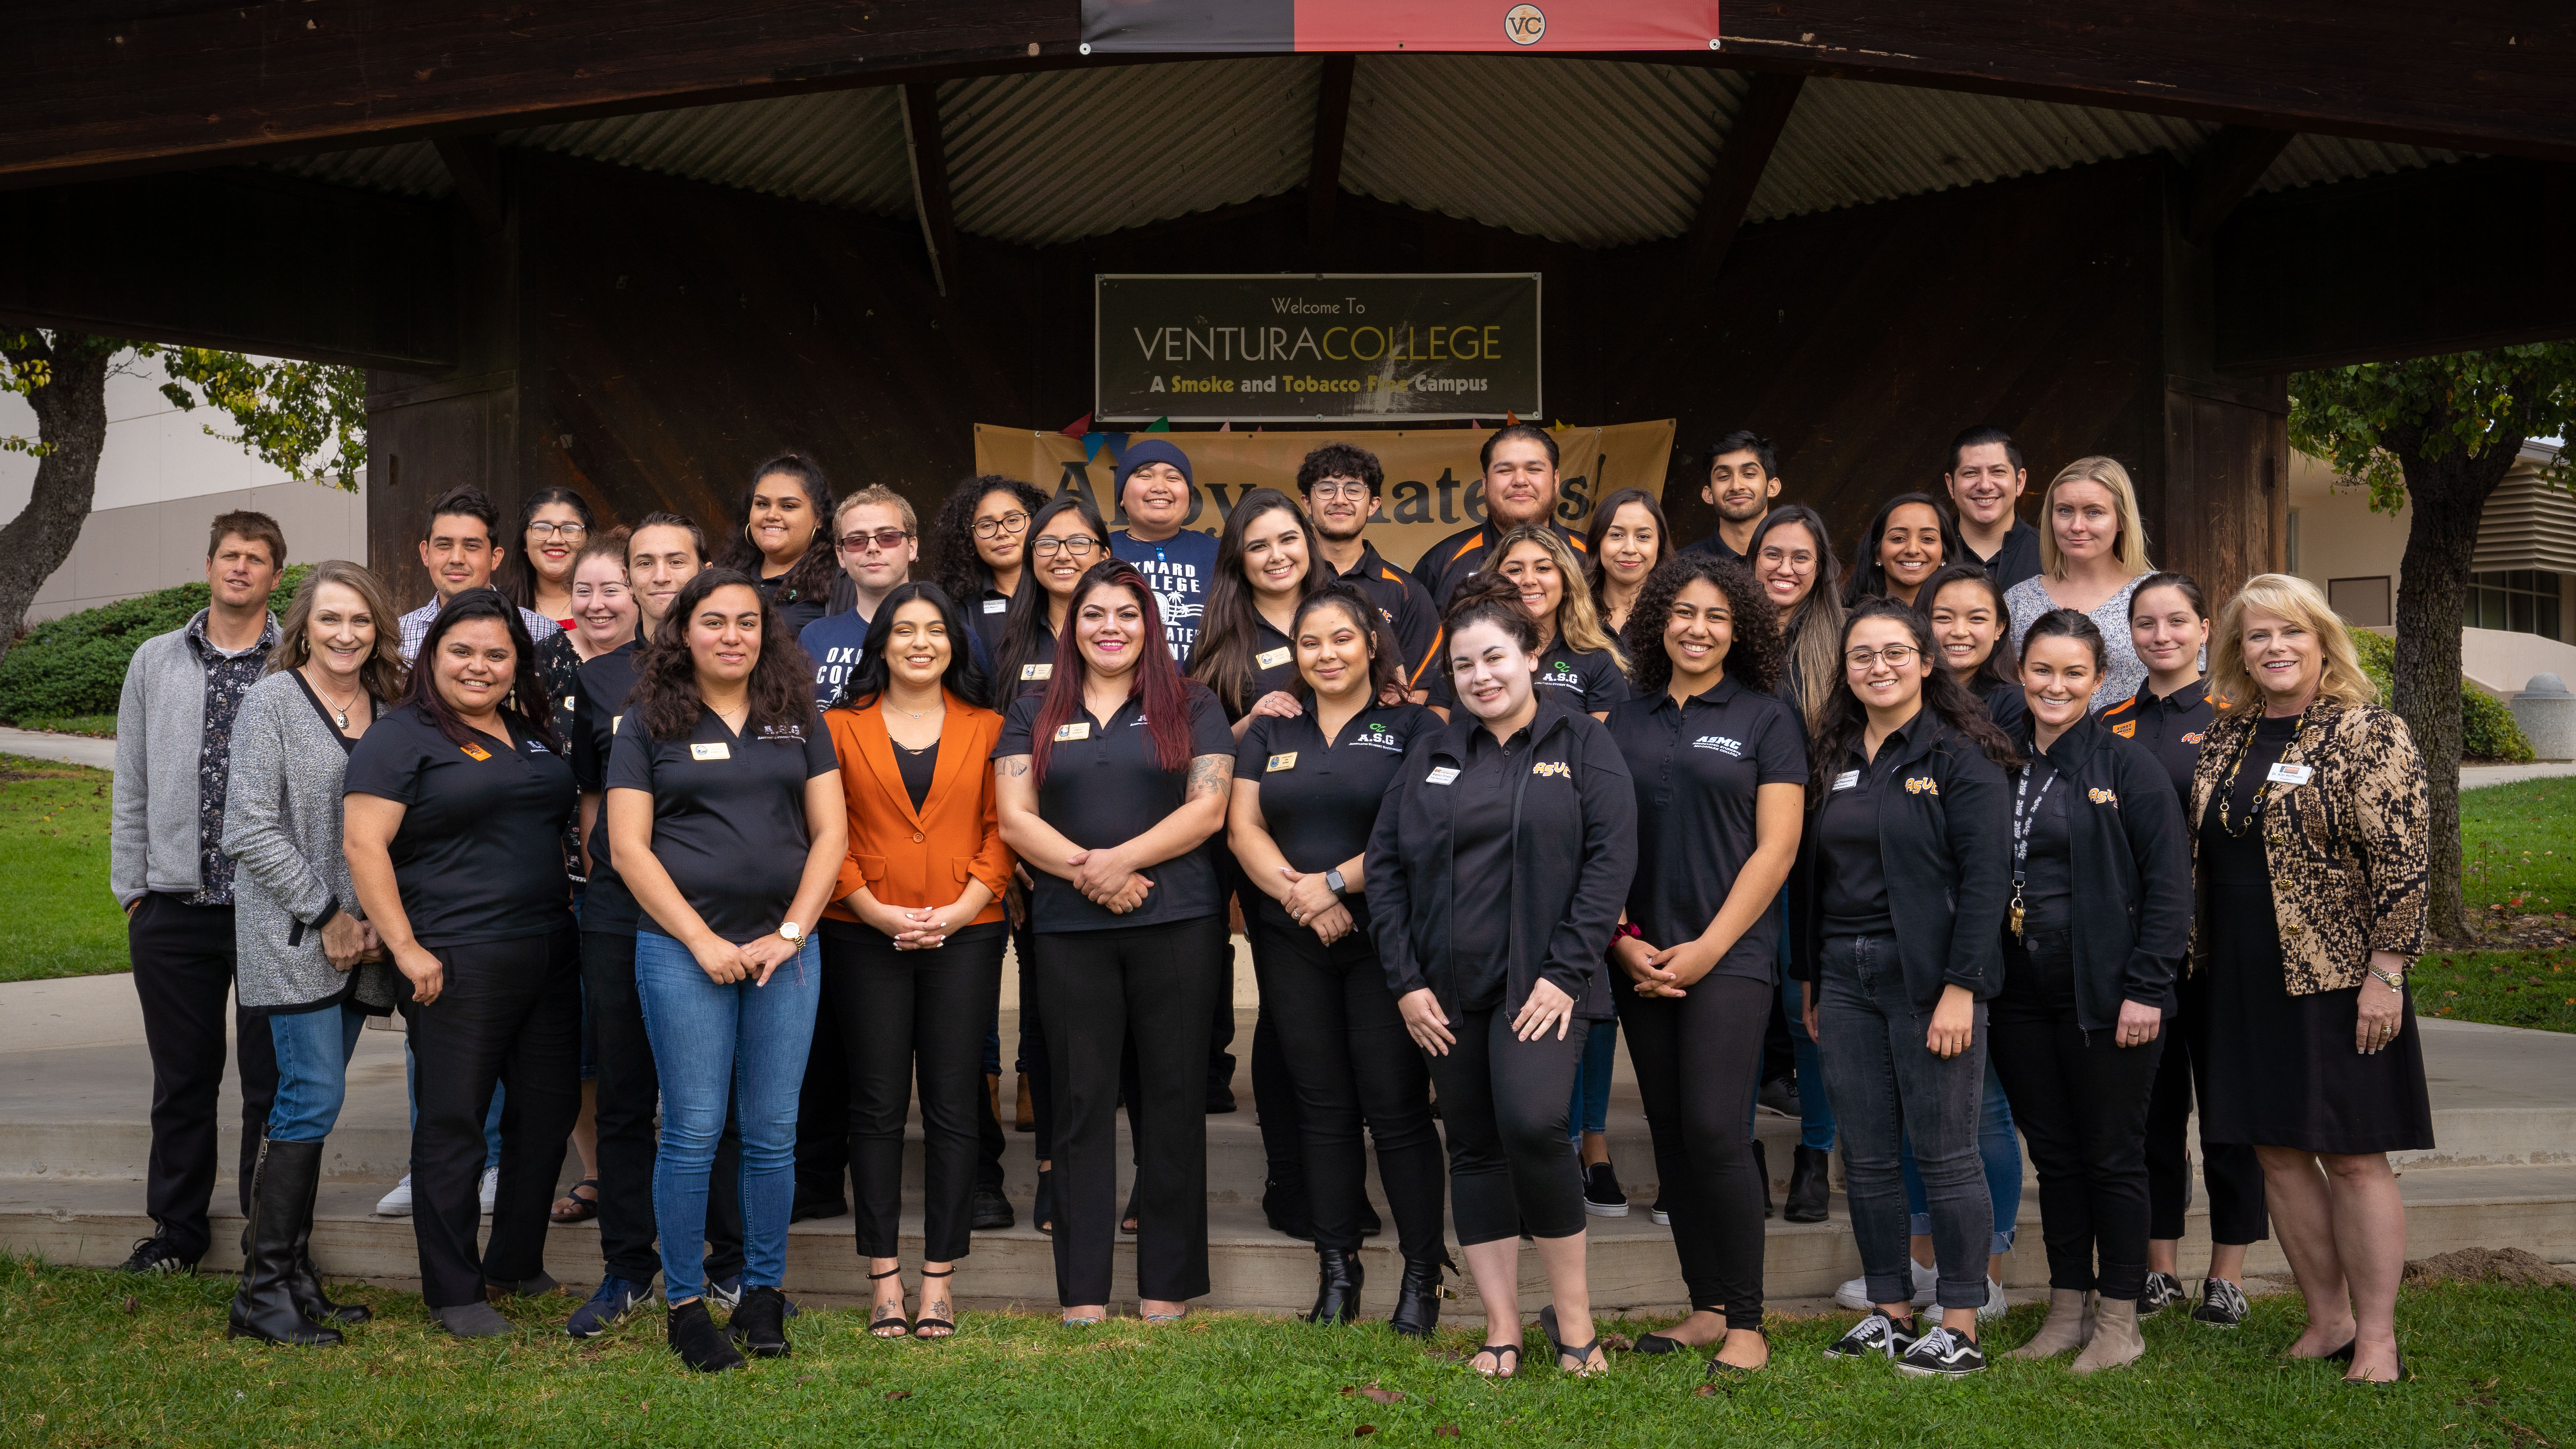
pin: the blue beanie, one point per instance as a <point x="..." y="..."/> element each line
<point x="1152" y="450"/>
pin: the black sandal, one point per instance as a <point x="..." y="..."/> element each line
<point x="924" y="1323"/>
<point x="1498" y="1350"/>
<point x="583" y="1209"/>
<point x="1581" y="1355"/>
<point x="1657" y="1343"/>
<point x="902" y="1326"/>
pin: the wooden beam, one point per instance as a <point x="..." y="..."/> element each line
<point x="2225" y="174"/>
<point x="1332" y="127"/>
<point x="474" y="165"/>
<point x="1740" y="163"/>
<point x="930" y="198"/>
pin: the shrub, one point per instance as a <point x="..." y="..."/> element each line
<point x="2487" y="727"/>
<point x="76" y="664"/>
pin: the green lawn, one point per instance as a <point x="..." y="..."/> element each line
<point x="97" y="1358"/>
<point x="53" y="872"/>
<point x="2518" y="847"/>
<point x="96" y="726"/>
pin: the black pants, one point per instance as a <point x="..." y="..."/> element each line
<point x="2231" y="1171"/>
<point x="1103" y="991"/>
<point x="1696" y="1061"/>
<point x="894" y="1015"/>
<point x="823" y="1129"/>
<point x="1350" y="1061"/>
<point x="629" y="1095"/>
<point x="1504" y="1100"/>
<point x="2080" y="1100"/>
<point x="508" y="1013"/>
<point x="183" y="975"/>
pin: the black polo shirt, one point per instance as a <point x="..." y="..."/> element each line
<point x="479" y="854"/>
<point x="1715" y="546"/>
<point x="1320" y="797"/>
<point x="1407" y="608"/>
<point x="1449" y="561"/>
<point x="2006" y="705"/>
<point x="1480" y="866"/>
<point x="1590" y="679"/>
<point x="728" y="814"/>
<point x="1035" y="671"/>
<point x="1104" y="787"/>
<point x="2171" y="728"/>
<point x="1696" y="767"/>
<point x="1853" y="879"/>
<point x="988" y="614"/>
<point x="600" y="688"/>
<point x="1274" y="666"/>
<point x="803" y="609"/>
<point x="2016" y="560"/>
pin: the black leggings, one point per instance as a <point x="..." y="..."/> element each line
<point x="898" y="1014"/>
<point x="1696" y="1061"/>
<point x="2234" y="1176"/>
<point x="1504" y="1103"/>
<point x="1103" y="991"/>
<point x="1350" y="1060"/>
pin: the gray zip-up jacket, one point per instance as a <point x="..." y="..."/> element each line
<point x="282" y="817"/>
<point x="160" y="733"/>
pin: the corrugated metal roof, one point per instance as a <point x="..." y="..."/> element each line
<point x="2317" y="160"/>
<point x="1058" y="155"/>
<point x="1593" y="152"/>
<point x="837" y="148"/>
<point x="410" y="169"/>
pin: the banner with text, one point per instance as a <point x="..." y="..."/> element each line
<point x="1309" y="347"/>
<point x="1433" y="486"/>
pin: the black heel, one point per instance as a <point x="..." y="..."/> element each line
<point x="1417" y="1298"/>
<point x="901" y="1325"/>
<point x="921" y="1326"/>
<point x="1337" y="1289"/>
<point x="1582" y="1354"/>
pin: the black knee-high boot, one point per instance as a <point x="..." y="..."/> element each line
<point x="281" y="1206"/>
<point x="308" y="1278"/>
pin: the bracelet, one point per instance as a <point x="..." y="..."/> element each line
<point x="1627" y="928"/>
<point x="2394" y="981"/>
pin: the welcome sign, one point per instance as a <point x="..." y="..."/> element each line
<point x="1315" y="346"/>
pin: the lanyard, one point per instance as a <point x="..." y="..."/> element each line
<point x="2024" y="822"/>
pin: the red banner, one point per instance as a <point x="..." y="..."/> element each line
<point x="1240" y="26"/>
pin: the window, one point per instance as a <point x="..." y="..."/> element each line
<point x="2520" y="601"/>
<point x="2363" y="603"/>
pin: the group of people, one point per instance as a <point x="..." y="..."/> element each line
<point x="1997" y="830"/>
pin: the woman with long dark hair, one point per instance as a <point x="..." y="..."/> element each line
<point x="1909" y="539"/>
<point x="1110" y="781"/>
<point x="1720" y="771"/>
<point x="1066" y="539"/>
<point x="727" y="822"/>
<point x="979" y="550"/>
<point x="912" y="943"/>
<point x="1899" y="907"/>
<point x="553" y="525"/>
<point x="1971" y="629"/>
<point x="1628" y="540"/>
<point x="1264" y="570"/>
<point x="783" y="515"/>
<point x="454" y="815"/>
<point x="1306" y="792"/>
<point x="1496" y="872"/>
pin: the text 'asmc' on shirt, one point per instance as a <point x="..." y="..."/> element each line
<point x="1104" y="787"/>
<point x="1319" y="797"/>
<point x="599" y="693"/>
<point x="728" y="813"/>
<point x="1699" y="766"/>
<point x="478" y="855"/>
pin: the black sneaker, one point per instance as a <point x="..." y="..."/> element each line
<point x="2163" y="1291"/>
<point x="992" y="1210"/>
<point x="1876" y="1336"/>
<point x="1601" y="1195"/>
<point x="699" y="1343"/>
<point x="155" y="1255"/>
<point x="1942" y="1354"/>
<point x="2222" y="1304"/>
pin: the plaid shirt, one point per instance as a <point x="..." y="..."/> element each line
<point x="415" y="628"/>
<point x="228" y="678"/>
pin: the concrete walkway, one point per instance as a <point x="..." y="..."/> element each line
<point x="70" y="749"/>
<point x="2473" y="776"/>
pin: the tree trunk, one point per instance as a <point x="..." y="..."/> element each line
<point x="71" y="418"/>
<point x="2447" y="494"/>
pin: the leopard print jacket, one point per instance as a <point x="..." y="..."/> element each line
<point x="2346" y="849"/>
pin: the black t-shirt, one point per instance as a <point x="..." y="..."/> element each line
<point x="1480" y="856"/>
<point x="1852" y="877"/>
<point x="1697" y="768"/>
<point x="1320" y="797"/>
<point x="1104" y="787"/>
<point x="2048" y="870"/>
<point x="728" y="814"/>
<point x="479" y="854"/>
<point x="1590" y="679"/>
<point x="1715" y="546"/>
<point x="2171" y="728"/>
<point x="600" y="688"/>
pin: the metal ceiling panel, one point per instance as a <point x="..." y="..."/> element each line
<point x="2316" y="160"/>
<point x="409" y="169"/>
<point x="835" y="148"/>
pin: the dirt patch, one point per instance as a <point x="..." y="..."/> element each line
<point x="2516" y="1266"/>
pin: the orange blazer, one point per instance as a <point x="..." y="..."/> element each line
<point x="915" y="858"/>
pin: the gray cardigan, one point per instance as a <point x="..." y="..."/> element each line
<point x="282" y="828"/>
<point x="160" y="730"/>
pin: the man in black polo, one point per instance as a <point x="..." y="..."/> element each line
<point x="1743" y="479"/>
<point x="1341" y="484"/>
<point x="1518" y="490"/>
<point x="1985" y="481"/>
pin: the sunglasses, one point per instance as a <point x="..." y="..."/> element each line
<point x="887" y="539"/>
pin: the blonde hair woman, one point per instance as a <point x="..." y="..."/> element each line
<point x="2092" y="552"/>
<point x="1576" y="654"/>
<point x="2313" y="1057"/>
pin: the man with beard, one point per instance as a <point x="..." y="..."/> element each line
<point x="1341" y="485"/>
<point x="1985" y="481"/>
<point x="1519" y="490"/>
<point x="1743" y="479"/>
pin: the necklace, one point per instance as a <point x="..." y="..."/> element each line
<point x="2262" y="792"/>
<point x="339" y="711"/>
<point x="942" y="706"/>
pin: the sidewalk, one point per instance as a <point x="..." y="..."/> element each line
<point x="70" y="749"/>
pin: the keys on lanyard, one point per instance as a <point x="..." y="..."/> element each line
<point x="2025" y="819"/>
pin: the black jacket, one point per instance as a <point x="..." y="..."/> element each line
<point x="1945" y="842"/>
<point x="2130" y="868"/>
<point x="1574" y="849"/>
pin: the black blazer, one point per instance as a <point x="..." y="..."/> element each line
<point x="1946" y="846"/>
<point x="2130" y="868"/>
<point x="1574" y="849"/>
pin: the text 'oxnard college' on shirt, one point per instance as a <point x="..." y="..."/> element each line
<point x="1178" y="569"/>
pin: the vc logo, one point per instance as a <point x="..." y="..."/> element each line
<point x="1524" y="24"/>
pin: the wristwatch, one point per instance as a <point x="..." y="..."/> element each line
<point x="794" y="933"/>
<point x="1333" y="882"/>
<point x="2393" y="980"/>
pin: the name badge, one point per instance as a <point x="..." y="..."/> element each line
<point x="1029" y="672"/>
<point x="711" y="752"/>
<point x="1078" y="730"/>
<point x="1272" y="658"/>
<point x="613" y="722"/>
<point x="570" y="702"/>
<point x="475" y="752"/>
<point x="2291" y="774"/>
<point x="1287" y="761"/>
<point x="997" y="606"/>
<point x="1847" y="779"/>
<point x="1441" y="775"/>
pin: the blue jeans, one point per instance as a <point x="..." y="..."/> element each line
<point x="1588" y="1109"/>
<point x="313" y="1050"/>
<point x="708" y="1039"/>
<point x="1815" y="1106"/>
<point x="1999" y="1148"/>
<point x="491" y="1119"/>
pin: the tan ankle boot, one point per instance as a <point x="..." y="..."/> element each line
<point x="2115" y="1338"/>
<point x="2069" y="1325"/>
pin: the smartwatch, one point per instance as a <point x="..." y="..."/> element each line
<point x="1333" y="881"/>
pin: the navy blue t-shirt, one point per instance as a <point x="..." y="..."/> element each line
<point x="1179" y="569"/>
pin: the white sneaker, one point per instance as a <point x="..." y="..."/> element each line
<point x="1995" y="1306"/>
<point x="1854" y="1295"/>
<point x="397" y="1203"/>
<point x="489" y="1189"/>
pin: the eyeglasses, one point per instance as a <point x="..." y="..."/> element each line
<point x="1080" y="546"/>
<point x="568" y="532"/>
<point x="1007" y="523"/>
<point x="1896" y="655"/>
<point x="888" y="539"/>
<point x="1327" y="492"/>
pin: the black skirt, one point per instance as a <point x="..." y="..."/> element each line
<point x="2283" y="1070"/>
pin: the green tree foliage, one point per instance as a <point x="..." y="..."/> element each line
<point x="76" y="664"/>
<point x="290" y="413"/>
